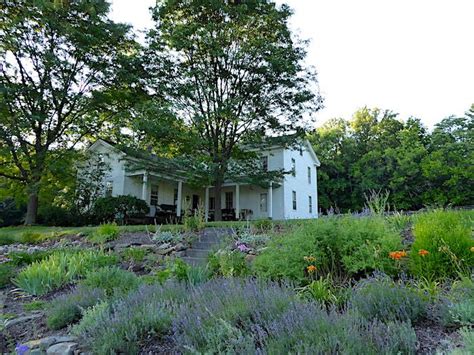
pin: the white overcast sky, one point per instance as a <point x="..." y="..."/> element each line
<point x="415" y="57"/>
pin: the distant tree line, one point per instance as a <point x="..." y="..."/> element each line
<point x="377" y="151"/>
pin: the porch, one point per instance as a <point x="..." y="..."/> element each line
<point x="170" y="198"/>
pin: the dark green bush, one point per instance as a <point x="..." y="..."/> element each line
<point x="51" y="215"/>
<point x="447" y="238"/>
<point x="112" y="280"/>
<point x="343" y="246"/>
<point x="119" y="208"/>
<point x="67" y="309"/>
<point x="383" y="299"/>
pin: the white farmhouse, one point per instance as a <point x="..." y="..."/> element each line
<point x="168" y="194"/>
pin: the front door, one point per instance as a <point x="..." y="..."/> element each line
<point x="195" y="201"/>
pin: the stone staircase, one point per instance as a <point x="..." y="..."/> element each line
<point x="208" y="240"/>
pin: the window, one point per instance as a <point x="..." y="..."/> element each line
<point x="212" y="203"/>
<point x="264" y="163"/>
<point x="294" y="200"/>
<point x="108" y="188"/>
<point x="301" y="151"/>
<point x="309" y="175"/>
<point x="263" y="202"/>
<point x="310" y="203"/>
<point x="154" y="195"/>
<point x="293" y="167"/>
<point x="229" y="200"/>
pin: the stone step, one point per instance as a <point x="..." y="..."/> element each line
<point x="194" y="261"/>
<point x="197" y="253"/>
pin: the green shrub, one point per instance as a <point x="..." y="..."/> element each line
<point x="467" y="336"/>
<point x="105" y="233"/>
<point x="136" y="255"/>
<point x="462" y="313"/>
<point x="447" y="237"/>
<point x="383" y="299"/>
<point x="321" y="290"/>
<point x="7" y="272"/>
<point x="342" y="246"/>
<point x="31" y="237"/>
<point x="194" y="222"/>
<point x="58" y="269"/>
<point x="228" y="263"/>
<point x="263" y="225"/>
<point x="112" y="280"/>
<point x="67" y="309"/>
<point x="119" y="208"/>
<point x="34" y="305"/>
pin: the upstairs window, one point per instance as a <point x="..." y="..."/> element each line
<point x="294" y="200"/>
<point x="309" y="175"/>
<point x="108" y="188"/>
<point x="264" y="163"/>
<point x="301" y="151"/>
<point x="293" y="167"/>
<point x="154" y="195"/>
<point x="310" y="204"/>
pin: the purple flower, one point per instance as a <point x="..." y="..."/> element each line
<point x="243" y="248"/>
<point x="22" y="349"/>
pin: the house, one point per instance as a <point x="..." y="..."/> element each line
<point x="168" y="193"/>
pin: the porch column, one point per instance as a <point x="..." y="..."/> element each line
<point x="206" y="204"/>
<point x="180" y="196"/>
<point x="144" y="186"/>
<point x="270" y="200"/>
<point x="237" y="201"/>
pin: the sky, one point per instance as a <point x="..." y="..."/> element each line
<point x="415" y="57"/>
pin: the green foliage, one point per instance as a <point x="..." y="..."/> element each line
<point x="321" y="290"/>
<point x="263" y="225"/>
<point x="133" y="254"/>
<point x="21" y="258"/>
<point x="194" y="222"/>
<point x="467" y="336"/>
<point x="462" y="313"/>
<point x="446" y="235"/>
<point x="58" y="269"/>
<point x="166" y="236"/>
<point x="105" y="233"/>
<point x="119" y="208"/>
<point x="342" y="246"/>
<point x="112" y="280"/>
<point x="31" y="238"/>
<point x="36" y="305"/>
<point x="7" y="272"/>
<point x="383" y="299"/>
<point x="228" y="263"/>
<point x="68" y="309"/>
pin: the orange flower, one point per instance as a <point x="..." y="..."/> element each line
<point x="311" y="269"/>
<point x="309" y="259"/>
<point x="397" y="255"/>
<point x="423" y="252"/>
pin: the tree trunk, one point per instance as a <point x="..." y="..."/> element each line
<point x="32" y="207"/>
<point x="218" y="200"/>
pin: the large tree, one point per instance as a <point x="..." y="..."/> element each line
<point x="233" y="73"/>
<point x="62" y="64"/>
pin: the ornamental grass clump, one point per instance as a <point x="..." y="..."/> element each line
<point x="58" y="269"/>
<point x="382" y="298"/>
<point x="442" y="246"/>
<point x="105" y="233"/>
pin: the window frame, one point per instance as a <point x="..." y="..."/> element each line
<point x="154" y="193"/>
<point x="264" y="197"/>
<point x="310" y="204"/>
<point x="293" y="200"/>
<point x="309" y="175"/>
<point x="264" y="162"/>
<point x="293" y="166"/>
<point x="227" y="199"/>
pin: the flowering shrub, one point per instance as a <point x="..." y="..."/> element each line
<point x="343" y="246"/>
<point x="442" y="246"/>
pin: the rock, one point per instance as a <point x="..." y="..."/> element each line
<point x="164" y="246"/>
<point x="166" y="251"/>
<point x="148" y="246"/>
<point x="180" y="254"/>
<point x="23" y="319"/>
<point x="180" y="247"/>
<point x="44" y="343"/>
<point x="66" y="348"/>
